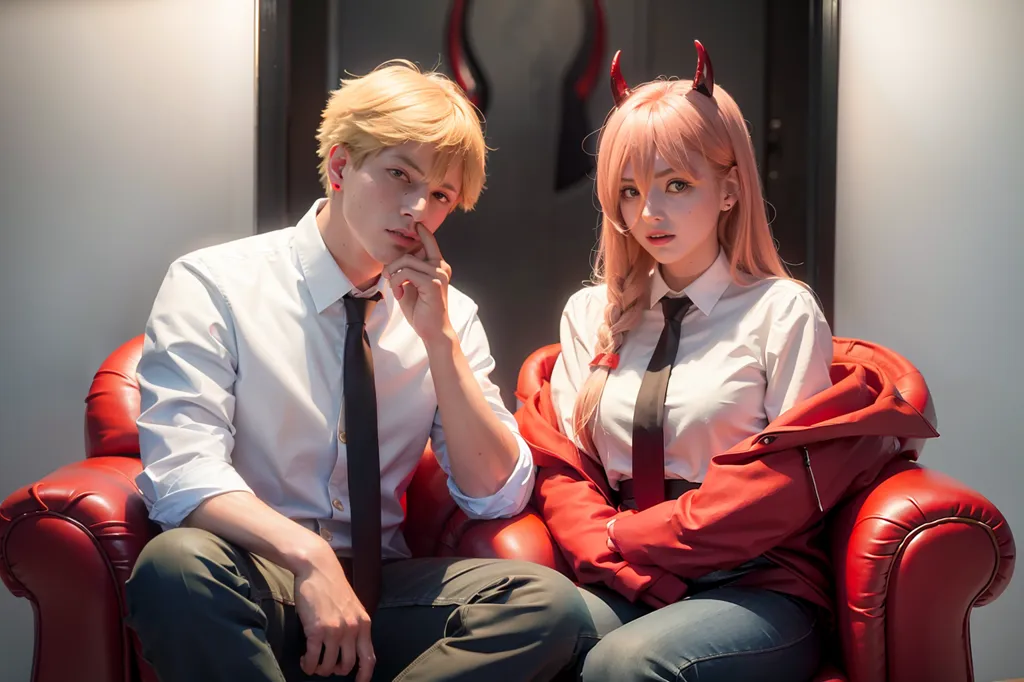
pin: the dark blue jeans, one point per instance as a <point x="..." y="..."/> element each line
<point x="721" y="635"/>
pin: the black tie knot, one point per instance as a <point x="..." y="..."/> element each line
<point x="675" y="308"/>
<point x="358" y="308"/>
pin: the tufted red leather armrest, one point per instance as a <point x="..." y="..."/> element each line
<point x="435" y="526"/>
<point x="68" y="543"/>
<point x="522" y="537"/>
<point x="913" y="555"/>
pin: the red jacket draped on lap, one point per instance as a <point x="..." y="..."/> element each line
<point x="766" y="497"/>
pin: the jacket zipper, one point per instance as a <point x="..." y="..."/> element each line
<point x="814" y="484"/>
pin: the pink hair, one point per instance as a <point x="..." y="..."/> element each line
<point x="670" y="118"/>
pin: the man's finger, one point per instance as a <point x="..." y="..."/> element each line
<point x="430" y="247"/>
<point x="409" y="262"/>
<point x="330" y="659"/>
<point x="311" y="659"/>
<point x="406" y="294"/>
<point x="348" y="654"/>
<point x="418" y="278"/>
<point x="425" y="284"/>
<point x="367" y="659"/>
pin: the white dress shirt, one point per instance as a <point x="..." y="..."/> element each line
<point x="747" y="354"/>
<point x="241" y="382"/>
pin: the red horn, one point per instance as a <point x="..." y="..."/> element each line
<point x="704" y="80"/>
<point x="620" y="91"/>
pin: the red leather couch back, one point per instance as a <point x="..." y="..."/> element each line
<point x="112" y="405"/>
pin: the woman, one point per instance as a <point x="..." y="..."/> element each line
<point x="696" y="430"/>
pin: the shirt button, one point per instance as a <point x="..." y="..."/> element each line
<point x="325" y="534"/>
<point x="342" y="436"/>
<point x="338" y="505"/>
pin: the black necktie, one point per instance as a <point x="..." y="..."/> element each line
<point x="649" y="413"/>
<point x="363" y="453"/>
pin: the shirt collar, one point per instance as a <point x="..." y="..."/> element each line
<point x="326" y="282"/>
<point x="705" y="291"/>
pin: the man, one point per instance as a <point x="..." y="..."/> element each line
<point x="290" y="382"/>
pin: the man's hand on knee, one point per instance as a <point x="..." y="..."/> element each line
<point x="336" y="625"/>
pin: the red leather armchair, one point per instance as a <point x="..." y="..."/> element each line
<point x="69" y="541"/>
<point x="913" y="554"/>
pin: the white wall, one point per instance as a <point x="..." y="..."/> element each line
<point x="126" y="139"/>
<point x="929" y="234"/>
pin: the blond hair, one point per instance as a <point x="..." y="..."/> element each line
<point x="670" y="118"/>
<point x="397" y="103"/>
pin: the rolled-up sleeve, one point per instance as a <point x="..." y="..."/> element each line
<point x="515" y="493"/>
<point x="186" y="380"/>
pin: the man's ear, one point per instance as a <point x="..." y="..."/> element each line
<point x="337" y="160"/>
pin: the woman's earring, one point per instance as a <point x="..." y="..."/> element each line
<point x="336" y="186"/>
